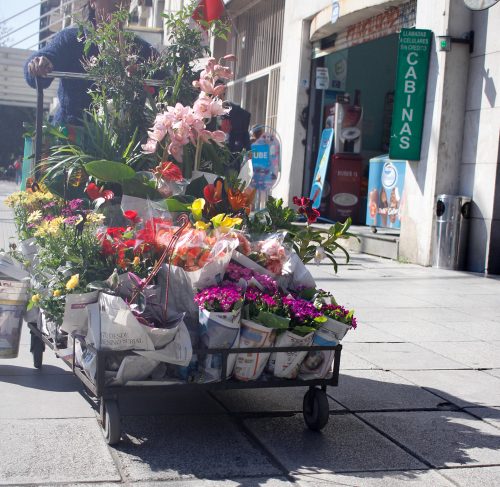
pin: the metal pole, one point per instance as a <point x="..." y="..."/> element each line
<point x="39" y="120"/>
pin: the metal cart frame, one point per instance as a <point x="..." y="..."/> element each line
<point x="315" y="407"/>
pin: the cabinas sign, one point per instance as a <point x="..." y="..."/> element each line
<point x="409" y="100"/>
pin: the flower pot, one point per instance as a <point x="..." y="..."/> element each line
<point x="249" y="366"/>
<point x="286" y="365"/>
<point x="340" y="329"/>
<point x="75" y="312"/>
<point x="218" y="330"/>
<point x="319" y="364"/>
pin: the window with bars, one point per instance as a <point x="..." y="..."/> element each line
<point x="256" y="39"/>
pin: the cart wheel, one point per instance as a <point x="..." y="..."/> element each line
<point x="374" y="229"/>
<point x="37" y="348"/>
<point x="110" y="416"/>
<point x="316" y="409"/>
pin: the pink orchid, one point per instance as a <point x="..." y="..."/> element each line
<point x="150" y="146"/>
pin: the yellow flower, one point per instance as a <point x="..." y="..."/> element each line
<point x="95" y="217"/>
<point x="57" y="293"/>
<point x="136" y="261"/>
<point x="201" y="225"/>
<point x="34" y="216"/>
<point x="197" y="208"/>
<point x="35" y="299"/>
<point x="73" y="282"/>
<point x="225" y="222"/>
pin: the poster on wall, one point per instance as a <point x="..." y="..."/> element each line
<point x="319" y="178"/>
<point x="409" y="100"/>
<point x="385" y="192"/>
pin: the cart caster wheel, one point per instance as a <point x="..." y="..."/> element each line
<point x="110" y="417"/>
<point x="316" y="409"/>
<point x="374" y="229"/>
<point x="37" y="348"/>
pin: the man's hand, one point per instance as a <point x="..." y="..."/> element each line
<point x="40" y="66"/>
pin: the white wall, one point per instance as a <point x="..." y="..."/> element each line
<point x="438" y="169"/>
<point x="293" y="98"/>
<point x="479" y="166"/>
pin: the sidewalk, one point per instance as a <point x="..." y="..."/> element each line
<point x="418" y="403"/>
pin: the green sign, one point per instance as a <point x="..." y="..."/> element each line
<point x="409" y="100"/>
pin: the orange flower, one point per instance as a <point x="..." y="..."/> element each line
<point x="241" y="200"/>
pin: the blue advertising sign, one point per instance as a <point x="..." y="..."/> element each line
<point x="318" y="183"/>
<point x="263" y="176"/>
<point x="385" y="192"/>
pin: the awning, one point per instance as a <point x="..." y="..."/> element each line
<point x="358" y="23"/>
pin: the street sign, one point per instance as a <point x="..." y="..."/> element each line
<point x="409" y="100"/>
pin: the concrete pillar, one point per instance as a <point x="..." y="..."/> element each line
<point x="438" y="170"/>
<point x="293" y="96"/>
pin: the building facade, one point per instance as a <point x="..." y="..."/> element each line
<point x="357" y="42"/>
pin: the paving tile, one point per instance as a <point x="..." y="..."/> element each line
<point x="345" y="444"/>
<point x="198" y="482"/>
<point x="268" y="400"/>
<point x="480" y="329"/>
<point x="475" y="354"/>
<point x="415" y="478"/>
<point x="473" y="477"/>
<point x="43" y="396"/>
<point x="349" y="361"/>
<point x="365" y="333"/>
<point x="493" y="372"/>
<point x="461" y="387"/>
<point x="377" y="389"/>
<point x="421" y="331"/>
<point x="182" y="447"/>
<point x="402" y="356"/>
<point x="52" y="451"/>
<point x="412" y="315"/>
<point x="491" y="415"/>
<point x="179" y="402"/>
<point x="442" y="438"/>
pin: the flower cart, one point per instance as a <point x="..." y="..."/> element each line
<point x="150" y="271"/>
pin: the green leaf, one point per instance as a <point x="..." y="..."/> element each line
<point x="178" y="204"/>
<point x="272" y="321"/>
<point x="303" y="330"/>
<point x="109" y="171"/>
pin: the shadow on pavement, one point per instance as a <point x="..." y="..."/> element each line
<point x="376" y="442"/>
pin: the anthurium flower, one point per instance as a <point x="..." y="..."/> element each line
<point x="95" y="192"/>
<point x="73" y="282"/>
<point x="213" y="193"/>
<point x="168" y="171"/>
<point x="197" y="208"/>
<point x="223" y="221"/>
<point x="131" y="215"/>
<point x="201" y="225"/>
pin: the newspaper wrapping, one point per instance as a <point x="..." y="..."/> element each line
<point x="286" y="365"/>
<point x="13" y="299"/>
<point x="218" y="330"/>
<point x="249" y="366"/>
<point x="319" y="364"/>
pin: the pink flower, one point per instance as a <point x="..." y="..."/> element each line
<point x="218" y="136"/>
<point x="150" y="146"/>
<point x="176" y="150"/>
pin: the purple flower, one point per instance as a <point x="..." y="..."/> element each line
<point x="75" y="204"/>
<point x="72" y="220"/>
<point x="339" y="313"/>
<point x="50" y="204"/>
<point x="219" y="298"/>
